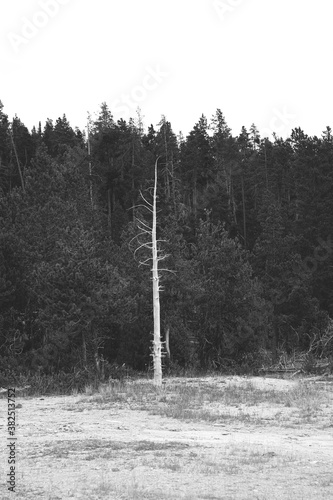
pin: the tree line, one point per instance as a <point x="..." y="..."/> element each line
<point x="247" y="223"/>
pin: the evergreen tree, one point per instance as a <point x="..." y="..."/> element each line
<point x="229" y="312"/>
<point x="196" y="164"/>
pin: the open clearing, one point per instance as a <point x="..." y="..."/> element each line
<point x="224" y="438"/>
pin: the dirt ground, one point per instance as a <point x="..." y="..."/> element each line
<point x="76" y="448"/>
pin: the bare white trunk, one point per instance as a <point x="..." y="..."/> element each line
<point x="157" y="345"/>
<point x="90" y="169"/>
<point x="155" y="257"/>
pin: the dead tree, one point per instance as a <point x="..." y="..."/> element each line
<point x="156" y="256"/>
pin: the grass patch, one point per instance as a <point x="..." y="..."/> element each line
<point x="216" y="402"/>
<point x="62" y="449"/>
<point x="154" y="446"/>
<point x="90" y="449"/>
<point x="239" y="459"/>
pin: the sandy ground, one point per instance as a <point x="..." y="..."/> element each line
<point x="72" y="448"/>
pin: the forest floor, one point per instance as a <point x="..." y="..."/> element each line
<point x="257" y="438"/>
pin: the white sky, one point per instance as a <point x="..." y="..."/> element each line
<point x="262" y="61"/>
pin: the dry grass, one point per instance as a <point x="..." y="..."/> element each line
<point x="218" y="402"/>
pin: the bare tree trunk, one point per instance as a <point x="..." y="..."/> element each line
<point x="244" y="210"/>
<point x="97" y="363"/>
<point x="90" y="170"/>
<point x="194" y="195"/>
<point x="173" y="187"/>
<point x="167" y="185"/>
<point x="84" y="350"/>
<point x="155" y="257"/>
<point x="17" y="161"/>
<point x="275" y="339"/>
<point x="233" y="203"/>
<point x="109" y="209"/>
<point x="132" y="174"/>
<point x="157" y="345"/>
<point x="167" y="349"/>
<point x="102" y="368"/>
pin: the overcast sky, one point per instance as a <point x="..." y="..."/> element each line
<point x="262" y="61"/>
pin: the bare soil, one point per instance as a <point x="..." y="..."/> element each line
<point x="72" y="447"/>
